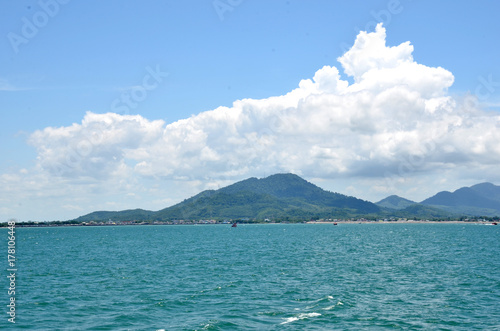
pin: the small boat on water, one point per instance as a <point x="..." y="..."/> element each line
<point x="234" y="225"/>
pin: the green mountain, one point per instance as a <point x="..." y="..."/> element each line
<point x="395" y="202"/>
<point x="481" y="199"/>
<point x="284" y="196"/>
<point x="277" y="196"/>
<point x="287" y="196"/>
<point x="400" y="207"/>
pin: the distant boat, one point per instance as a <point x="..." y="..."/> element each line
<point x="335" y="223"/>
<point x="494" y="223"/>
<point x="234" y="225"/>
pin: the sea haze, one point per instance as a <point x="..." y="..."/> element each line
<point x="265" y="277"/>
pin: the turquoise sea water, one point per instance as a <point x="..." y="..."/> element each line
<point x="257" y="277"/>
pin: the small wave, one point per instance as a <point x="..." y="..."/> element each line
<point x="300" y="317"/>
<point x="339" y="303"/>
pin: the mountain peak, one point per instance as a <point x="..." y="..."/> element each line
<point x="279" y="195"/>
<point x="278" y="185"/>
<point x="479" y="199"/>
<point x="395" y="202"/>
<point x="484" y="185"/>
<point x="287" y="195"/>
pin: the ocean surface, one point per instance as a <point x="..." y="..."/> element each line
<point x="257" y="277"/>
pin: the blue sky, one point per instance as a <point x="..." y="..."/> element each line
<point x="84" y="56"/>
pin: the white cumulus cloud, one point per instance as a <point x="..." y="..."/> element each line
<point x="396" y="121"/>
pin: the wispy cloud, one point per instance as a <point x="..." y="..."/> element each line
<point x="6" y="86"/>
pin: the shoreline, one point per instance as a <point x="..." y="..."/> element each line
<point x="20" y="225"/>
<point x="398" y="222"/>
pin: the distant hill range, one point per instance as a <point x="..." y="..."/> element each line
<point x="481" y="199"/>
<point x="287" y="196"/>
<point x="395" y="202"/>
<point x="400" y="207"/>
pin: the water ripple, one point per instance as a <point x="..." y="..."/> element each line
<point x="260" y="277"/>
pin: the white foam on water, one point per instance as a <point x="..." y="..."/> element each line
<point x="290" y="320"/>
<point x="300" y="317"/>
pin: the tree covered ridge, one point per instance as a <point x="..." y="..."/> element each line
<point x="286" y="196"/>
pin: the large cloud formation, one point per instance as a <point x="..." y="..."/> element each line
<point x="396" y="119"/>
